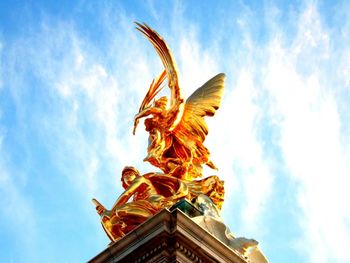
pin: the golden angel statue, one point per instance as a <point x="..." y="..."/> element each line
<point x="177" y="131"/>
<point x="177" y="128"/>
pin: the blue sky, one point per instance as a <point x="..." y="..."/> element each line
<point x="72" y="76"/>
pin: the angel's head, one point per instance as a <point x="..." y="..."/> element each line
<point x="162" y="102"/>
<point x="129" y="174"/>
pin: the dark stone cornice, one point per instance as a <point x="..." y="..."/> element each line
<point x="169" y="236"/>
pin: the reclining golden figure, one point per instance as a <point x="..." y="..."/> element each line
<point x="150" y="193"/>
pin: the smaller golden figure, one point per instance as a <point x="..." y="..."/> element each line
<point x="145" y="195"/>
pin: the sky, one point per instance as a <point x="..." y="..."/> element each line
<point x="72" y="77"/>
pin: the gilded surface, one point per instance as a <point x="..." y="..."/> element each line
<point x="177" y="131"/>
<point x="176" y="127"/>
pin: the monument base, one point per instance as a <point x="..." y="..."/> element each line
<point x="169" y="236"/>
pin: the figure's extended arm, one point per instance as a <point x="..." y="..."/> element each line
<point x="99" y="207"/>
<point x="146" y="112"/>
<point x="125" y="196"/>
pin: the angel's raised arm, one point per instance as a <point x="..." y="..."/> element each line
<point x="144" y="113"/>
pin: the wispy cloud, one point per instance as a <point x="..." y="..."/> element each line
<point x="307" y="114"/>
<point x="71" y="97"/>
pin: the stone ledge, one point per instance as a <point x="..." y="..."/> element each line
<point x="169" y="236"/>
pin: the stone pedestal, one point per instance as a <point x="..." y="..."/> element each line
<point x="169" y="236"/>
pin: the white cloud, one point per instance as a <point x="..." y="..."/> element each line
<point x="240" y="156"/>
<point x="93" y="98"/>
<point x="196" y="64"/>
<point x="310" y="139"/>
<point x="233" y="138"/>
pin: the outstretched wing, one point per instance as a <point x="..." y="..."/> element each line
<point x="203" y="102"/>
<point x="168" y="61"/>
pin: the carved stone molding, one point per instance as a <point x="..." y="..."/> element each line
<point x="169" y="236"/>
